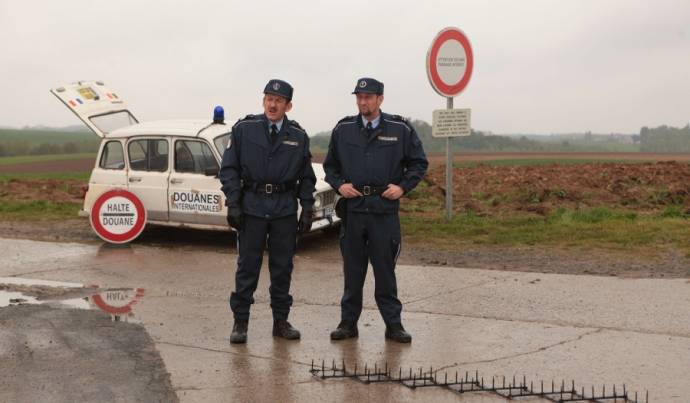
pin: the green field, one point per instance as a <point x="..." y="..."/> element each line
<point x="16" y="142"/>
<point x="25" y="159"/>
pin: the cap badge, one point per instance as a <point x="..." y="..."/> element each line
<point x="362" y="84"/>
<point x="276" y="86"/>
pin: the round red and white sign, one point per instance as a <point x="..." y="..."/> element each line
<point x="117" y="301"/>
<point x="118" y="216"/>
<point x="449" y="62"/>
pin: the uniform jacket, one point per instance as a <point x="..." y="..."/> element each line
<point x="251" y="158"/>
<point x="392" y="153"/>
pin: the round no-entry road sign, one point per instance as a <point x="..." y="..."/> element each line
<point x="118" y="216"/>
<point x="449" y="62"/>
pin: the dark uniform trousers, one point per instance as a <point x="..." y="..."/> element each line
<point x="374" y="237"/>
<point x="280" y="233"/>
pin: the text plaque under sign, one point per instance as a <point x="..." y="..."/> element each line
<point x="451" y="123"/>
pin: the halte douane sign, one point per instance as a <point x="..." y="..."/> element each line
<point x="451" y="123"/>
<point x="118" y="216"/>
<point x="449" y="62"/>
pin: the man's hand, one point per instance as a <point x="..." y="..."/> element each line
<point x="348" y="191"/>
<point x="394" y="192"/>
<point x="235" y="217"/>
<point x="305" y="221"/>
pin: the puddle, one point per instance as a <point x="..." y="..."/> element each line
<point x="8" y="298"/>
<point x="117" y="302"/>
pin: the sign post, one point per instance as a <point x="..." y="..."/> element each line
<point x="449" y="64"/>
<point x="118" y="216"/>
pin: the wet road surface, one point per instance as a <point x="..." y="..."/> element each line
<point x="594" y="330"/>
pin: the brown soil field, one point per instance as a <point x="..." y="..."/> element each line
<point x="493" y="190"/>
<point x="79" y="165"/>
<point x="434" y="158"/>
<point x="59" y="191"/>
<point x="484" y="189"/>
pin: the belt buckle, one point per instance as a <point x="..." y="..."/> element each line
<point x="366" y="190"/>
<point x="269" y="188"/>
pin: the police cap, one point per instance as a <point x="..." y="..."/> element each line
<point x="280" y="88"/>
<point x="369" y="86"/>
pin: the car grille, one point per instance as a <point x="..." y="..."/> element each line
<point x="327" y="198"/>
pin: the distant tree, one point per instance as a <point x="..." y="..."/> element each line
<point x="70" y="148"/>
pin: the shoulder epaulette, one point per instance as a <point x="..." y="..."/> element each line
<point x="248" y="117"/>
<point x="244" y="119"/>
<point x="294" y="123"/>
<point x="347" y="118"/>
<point x="398" y="118"/>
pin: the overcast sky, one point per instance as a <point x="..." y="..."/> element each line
<point x="540" y="66"/>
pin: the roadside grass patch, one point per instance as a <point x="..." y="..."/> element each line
<point x="25" y="159"/>
<point x="597" y="227"/>
<point x="37" y="210"/>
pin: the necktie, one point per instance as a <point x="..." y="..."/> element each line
<point x="370" y="130"/>
<point x="274" y="133"/>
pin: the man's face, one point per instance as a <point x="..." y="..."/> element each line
<point x="275" y="107"/>
<point x="369" y="104"/>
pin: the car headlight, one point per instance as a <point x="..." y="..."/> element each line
<point x="317" y="201"/>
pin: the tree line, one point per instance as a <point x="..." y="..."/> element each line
<point x="665" y="139"/>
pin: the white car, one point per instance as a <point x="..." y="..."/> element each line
<point x="170" y="165"/>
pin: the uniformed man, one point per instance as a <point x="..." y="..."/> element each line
<point x="373" y="159"/>
<point x="266" y="168"/>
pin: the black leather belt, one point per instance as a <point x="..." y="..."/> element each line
<point x="368" y="190"/>
<point x="269" y="188"/>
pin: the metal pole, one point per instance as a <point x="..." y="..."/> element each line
<point x="449" y="170"/>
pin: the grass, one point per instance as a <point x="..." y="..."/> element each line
<point x="69" y="175"/>
<point x="37" y="210"/>
<point x="26" y="159"/>
<point x="597" y="227"/>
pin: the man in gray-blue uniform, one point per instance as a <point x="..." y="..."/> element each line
<point x="373" y="159"/>
<point x="266" y="168"/>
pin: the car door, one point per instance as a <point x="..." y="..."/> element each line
<point x="149" y="170"/>
<point x="96" y="105"/>
<point x="194" y="194"/>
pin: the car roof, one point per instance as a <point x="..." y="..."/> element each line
<point x="173" y="127"/>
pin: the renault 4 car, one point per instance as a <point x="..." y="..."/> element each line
<point x="170" y="165"/>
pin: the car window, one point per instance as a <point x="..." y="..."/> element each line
<point x="194" y="157"/>
<point x="221" y="142"/>
<point x="148" y="155"/>
<point x="113" y="156"/>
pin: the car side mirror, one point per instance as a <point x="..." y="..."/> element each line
<point x="211" y="171"/>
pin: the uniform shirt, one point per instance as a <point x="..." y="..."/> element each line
<point x="251" y="158"/>
<point x="374" y="123"/>
<point x="279" y="125"/>
<point x="392" y="154"/>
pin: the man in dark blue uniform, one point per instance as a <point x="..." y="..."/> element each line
<point x="266" y="168"/>
<point x="373" y="159"/>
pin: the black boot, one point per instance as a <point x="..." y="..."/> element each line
<point x="283" y="328"/>
<point x="239" y="332"/>
<point x="396" y="332"/>
<point x="345" y="330"/>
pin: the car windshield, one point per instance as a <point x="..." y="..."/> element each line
<point x="221" y="142"/>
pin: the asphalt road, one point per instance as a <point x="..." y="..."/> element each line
<point x="591" y="329"/>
